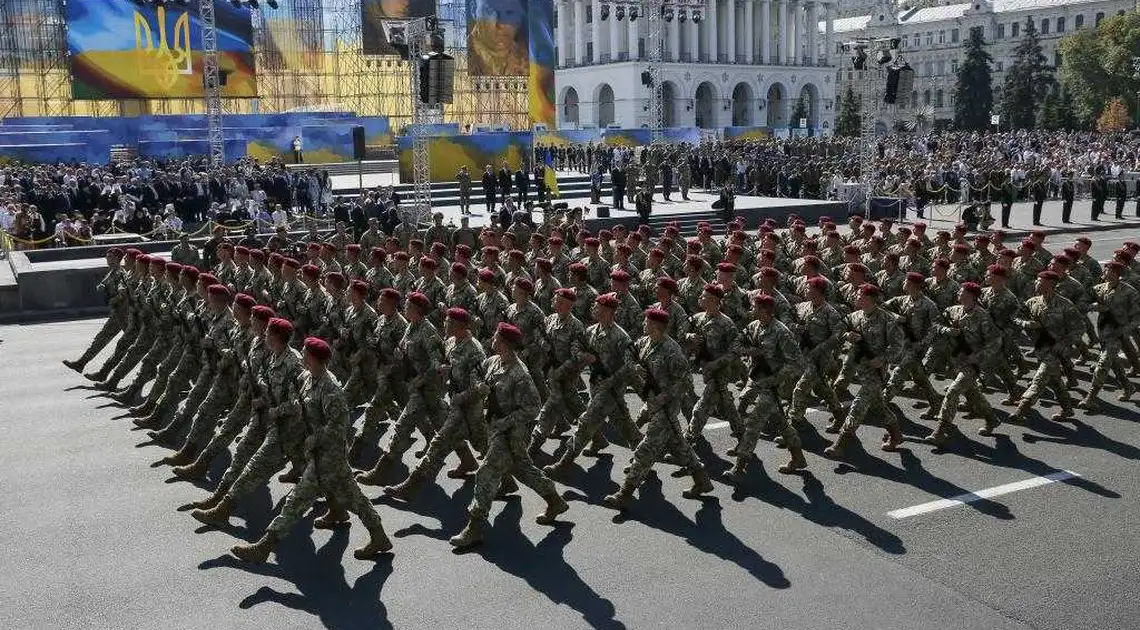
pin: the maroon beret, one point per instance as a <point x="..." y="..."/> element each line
<point x="915" y="278"/>
<point x="1052" y="276"/>
<point x="869" y="289"/>
<point x="567" y="293"/>
<point x="282" y="328"/>
<point x="318" y="348"/>
<point x="726" y="267"/>
<point x="668" y="284"/>
<point x="263" y="313"/>
<point x="390" y="294"/>
<point x="619" y="275"/>
<point x="657" y="315"/>
<point x="420" y="300"/>
<point x="311" y="271"/>
<point x="244" y="300"/>
<point x="337" y="279"/>
<point x="997" y="270"/>
<point x="973" y="288"/>
<point x="459" y="315"/>
<point x="544" y="264"/>
<point x="360" y="287"/>
<point x="608" y="300"/>
<point x="509" y="333"/>
<point x="714" y="290"/>
<point x="524" y="284"/>
<point x="459" y="269"/>
<point x="429" y="263"/>
<point x="763" y="300"/>
<point x="486" y="275"/>
<point x="291" y="263"/>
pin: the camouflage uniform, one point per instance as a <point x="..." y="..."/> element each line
<point x="1054" y="325"/>
<point x="775" y="358"/>
<point x="391" y="386"/>
<point x="878" y="336"/>
<point x="565" y="336"/>
<point x="1118" y="305"/>
<point x="917" y="318"/>
<point x="975" y="339"/>
<point x="166" y="392"/>
<point x="1002" y="307"/>
<point x="280" y="387"/>
<point x="325" y="416"/>
<point x="819" y="330"/>
<point x="421" y="350"/>
<point x="664" y="369"/>
<point x="231" y="342"/>
<point x="117" y="295"/>
<point x="531" y="321"/>
<point x="713" y="338"/>
<point x="490" y="309"/>
<point x="512" y="402"/>
<point x="250" y="368"/>
<point x="360" y="357"/>
<point x="464" y="419"/>
<point x="608" y="379"/>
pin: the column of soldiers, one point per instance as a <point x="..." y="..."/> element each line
<point x="301" y="364"/>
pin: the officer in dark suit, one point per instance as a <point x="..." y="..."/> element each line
<point x="1120" y="188"/>
<point x="540" y="182"/>
<point x="1039" y="190"/>
<point x="1008" y="195"/>
<point x="666" y="179"/>
<point x="643" y="203"/>
<point x="522" y="186"/>
<point x="490" y="184"/>
<point x="1099" y="195"/>
<point x="504" y="182"/>
<point x="1068" y="193"/>
<point x="617" y="183"/>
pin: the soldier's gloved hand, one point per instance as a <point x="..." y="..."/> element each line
<point x="852" y="336"/>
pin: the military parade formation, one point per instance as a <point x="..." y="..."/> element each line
<point x="519" y="350"/>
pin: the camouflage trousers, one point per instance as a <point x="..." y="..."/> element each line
<point x="869" y="398"/>
<point x="167" y="388"/>
<point x="198" y="392"/>
<point x="425" y="411"/>
<point x="238" y="416"/>
<point x="269" y="459"/>
<point x="663" y="434"/>
<point x="124" y="344"/>
<point x="391" y="394"/>
<point x="134" y="356"/>
<point x="1109" y="359"/>
<point x="362" y="381"/>
<point x="247" y="446"/>
<point x="716" y="401"/>
<point x="562" y="405"/>
<point x="767" y="412"/>
<point x="1048" y="374"/>
<point x="965" y="384"/>
<point x="328" y="474"/>
<point x="604" y="403"/>
<point x="813" y="381"/>
<point x="910" y="368"/>
<point x="148" y="369"/>
<point x="937" y="357"/>
<point x="221" y="395"/>
<point x="111" y="327"/>
<point x="506" y="455"/>
<point x="464" y="422"/>
<point x="533" y="362"/>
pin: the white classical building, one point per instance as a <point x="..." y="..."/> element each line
<point x="746" y="63"/>
<point x="932" y="40"/>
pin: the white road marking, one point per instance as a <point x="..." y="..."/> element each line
<point x="987" y="493"/>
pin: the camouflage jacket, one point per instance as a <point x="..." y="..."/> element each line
<point x="663" y="368"/>
<point x="877" y="331"/>
<point x="512" y="399"/>
<point x="916" y="318"/>
<point x="324" y="415"/>
<point x="713" y="341"/>
<point x="774" y="354"/>
<point x="1053" y="324"/>
<point x="464" y="359"/>
<point x="972" y="335"/>
<point x="614" y="351"/>
<point x="1119" y="308"/>
<point x="422" y="350"/>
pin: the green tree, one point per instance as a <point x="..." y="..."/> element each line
<point x="1057" y="113"/>
<point x="849" y="119"/>
<point x="799" y="112"/>
<point x="1027" y="82"/>
<point x="1096" y="66"/>
<point x="974" y="93"/>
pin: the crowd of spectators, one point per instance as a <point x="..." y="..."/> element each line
<point x="68" y="204"/>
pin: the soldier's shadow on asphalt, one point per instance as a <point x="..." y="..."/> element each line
<point x="318" y="575"/>
<point x="1077" y="433"/>
<point x="544" y="567"/>
<point x="706" y="532"/>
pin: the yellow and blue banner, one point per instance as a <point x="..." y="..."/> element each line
<point x="498" y="41"/>
<point x="549" y="177"/>
<point x="540" y="86"/>
<point x="448" y="153"/>
<point x="122" y="49"/>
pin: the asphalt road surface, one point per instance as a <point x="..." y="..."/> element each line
<point x="1041" y="534"/>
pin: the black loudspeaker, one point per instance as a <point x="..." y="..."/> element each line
<point x="900" y="79"/>
<point x="892" y="93"/>
<point x="436" y="78"/>
<point x="603" y="212"/>
<point x="358" y="148"/>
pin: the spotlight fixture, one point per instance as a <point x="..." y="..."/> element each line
<point x="605" y="12"/>
<point x="884" y="57"/>
<point x="682" y="15"/>
<point x="619" y="13"/>
<point x="668" y="13"/>
<point x="633" y="13"/>
<point x="697" y="16"/>
<point x="859" y="58"/>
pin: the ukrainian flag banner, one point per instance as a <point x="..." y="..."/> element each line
<point x="549" y="177"/>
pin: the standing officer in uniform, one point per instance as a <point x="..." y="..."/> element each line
<point x="490" y="186"/>
<point x="464" y="179"/>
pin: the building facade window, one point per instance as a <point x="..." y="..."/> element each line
<point x="941" y="37"/>
<point x="954" y="66"/>
<point x="914" y="98"/>
<point x="1001" y="31"/>
<point x="954" y="36"/>
<point x="1015" y="29"/>
<point x="1044" y="27"/>
<point x="929" y="69"/>
<point x="589" y="14"/>
<point x="999" y="66"/>
<point x="929" y="38"/>
<point x="926" y="97"/>
<point x="941" y="67"/>
<point x="939" y="99"/>
<point x="1099" y="17"/>
<point x="1079" y="21"/>
<point x="1060" y="25"/>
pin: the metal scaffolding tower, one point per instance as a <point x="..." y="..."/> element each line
<point x="10" y="102"/>
<point x="213" y="84"/>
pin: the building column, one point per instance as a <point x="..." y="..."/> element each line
<point x="730" y="30"/>
<point x="596" y="30"/>
<point x="615" y="29"/>
<point x="782" y="33"/>
<point x="750" y="30"/>
<point x="795" y="18"/>
<point x="711" y="22"/>
<point x="829" y="30"/>
<point x="579" y="26"/>
<point x="562" y="35"/>
<point x="813" y="33"/>
<point x="765" y="31"/>
<point x="632" y="47"/>
<point x="674" y="40"/>
<point x="694" y="40"/>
